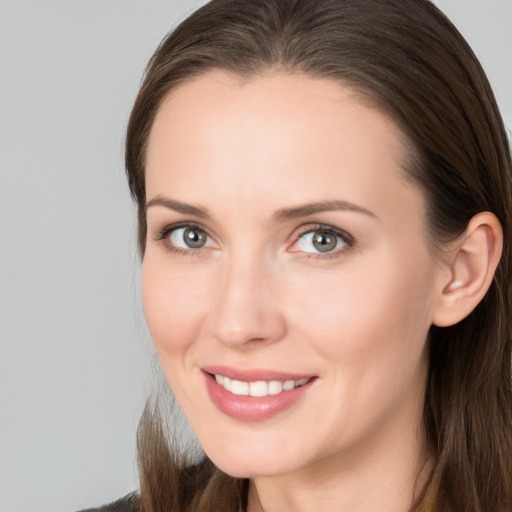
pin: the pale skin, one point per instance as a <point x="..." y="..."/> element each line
<point x="259" y="294"/>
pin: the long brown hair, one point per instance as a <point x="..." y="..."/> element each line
<point x="406" y="59"/>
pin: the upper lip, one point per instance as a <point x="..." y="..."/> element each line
<point x="254" y="374"/>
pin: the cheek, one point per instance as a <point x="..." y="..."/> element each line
<point x="371" y="329"/>
<point x="369" y="314"/>
<point x="174" y="304"/>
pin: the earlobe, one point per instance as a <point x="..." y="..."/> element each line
<point x="472" y="267"/>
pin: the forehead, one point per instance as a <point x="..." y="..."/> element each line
<point x="282" y="101"/>
<point x="279" y="137"/>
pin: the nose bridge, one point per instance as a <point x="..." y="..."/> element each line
<point x="246" y="307"/>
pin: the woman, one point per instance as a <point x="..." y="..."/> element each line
<point x="324" y="194"/>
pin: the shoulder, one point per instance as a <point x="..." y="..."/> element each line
<point x="130" y="503"/>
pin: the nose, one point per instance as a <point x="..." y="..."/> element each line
<point x="247" y="312"/>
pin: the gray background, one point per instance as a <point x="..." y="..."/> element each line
<point x="75" y="359"/>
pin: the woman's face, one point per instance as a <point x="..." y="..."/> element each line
<point x="286" y="255"/>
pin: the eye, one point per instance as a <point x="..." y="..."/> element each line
<point x="323" y="240"/>
<point x="186" y="238"/>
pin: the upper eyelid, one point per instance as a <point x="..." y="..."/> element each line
<point x="325" y="227"/>
<point x="169" y="228"/>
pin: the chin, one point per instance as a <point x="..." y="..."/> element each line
<point x="245" y="468"/>
<point x="259" y="460"/>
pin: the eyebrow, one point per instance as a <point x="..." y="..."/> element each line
<point x="322" y="206"/>
<point x="281" y="215"/>
<point x="179" y="207"/>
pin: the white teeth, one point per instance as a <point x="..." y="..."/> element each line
<point x="288" y="384"/>
<point x="239" y="388"/>
<point x="275" y="387"/>
<point x="258" y="388"/>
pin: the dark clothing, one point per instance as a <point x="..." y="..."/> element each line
<point x="130" y="503"/>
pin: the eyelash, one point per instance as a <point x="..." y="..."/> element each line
<point x="163" y="236"/>
<point x="346" y="238"/>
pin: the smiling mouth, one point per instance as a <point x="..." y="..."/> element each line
<point x="255" y="394"/>
<point x="258" y="388"/>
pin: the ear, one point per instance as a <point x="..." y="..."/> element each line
<point x="472" y="266"/>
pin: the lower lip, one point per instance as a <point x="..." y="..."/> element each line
<point x="253" y="408"/>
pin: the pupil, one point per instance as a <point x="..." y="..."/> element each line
<point x="324" y="242"/>
<point x="194" y="238"/>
